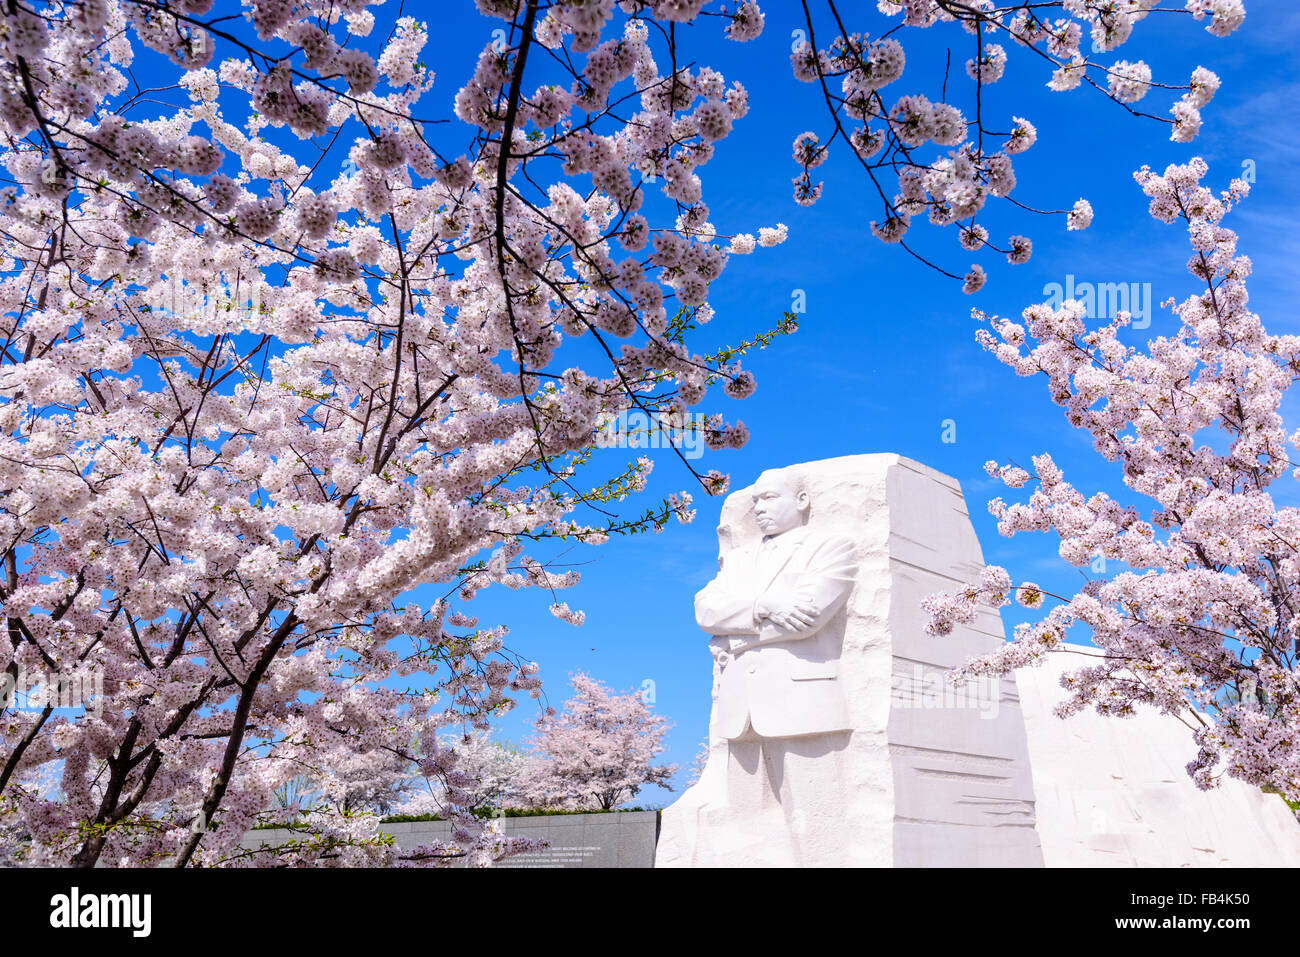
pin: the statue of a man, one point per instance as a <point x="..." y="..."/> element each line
<point x="770" y="602"/>
<point x="772" y="612"/>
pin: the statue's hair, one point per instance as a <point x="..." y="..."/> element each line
<point x="792" y="479"/>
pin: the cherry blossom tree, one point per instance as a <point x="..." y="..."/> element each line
<point x="1201" y="622"/>
<point x="250" y="401"/>
<point x="698" y="764"/>
<point x="596" y="753"/>
<point x="494" y="768"/>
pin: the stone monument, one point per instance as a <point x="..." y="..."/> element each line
<point x="833" y="738"/>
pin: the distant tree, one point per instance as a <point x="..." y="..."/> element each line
<point x="697" y="766"/>
<point x="296" y="794"/>
<point x="597" y="752"/>
<point x="489" y="770"/>
<point x="347" y="788"/>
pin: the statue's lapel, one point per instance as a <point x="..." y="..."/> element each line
<point x="775" y="555"/>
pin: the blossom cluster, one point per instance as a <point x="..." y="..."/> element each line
<point x="969" y="160"/>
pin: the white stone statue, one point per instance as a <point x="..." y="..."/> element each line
<point x="772" y="604"/>
<point x="823" y="750"/>
<point x="775" y="613"/>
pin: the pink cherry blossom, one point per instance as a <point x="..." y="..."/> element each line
<point x="597" y="753"/>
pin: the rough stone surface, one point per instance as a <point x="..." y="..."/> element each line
<point x="924" y="780"/>
<point x="1114" y="792"/>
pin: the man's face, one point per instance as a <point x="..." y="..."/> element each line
<point x="776" y="507"/>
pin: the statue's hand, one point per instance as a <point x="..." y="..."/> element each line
<point x="788" y="614"/>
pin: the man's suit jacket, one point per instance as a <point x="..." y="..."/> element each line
<point x="780" y="683"/>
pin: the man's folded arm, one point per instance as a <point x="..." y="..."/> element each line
<point x="824" y="586"/>
<point x="725" y="606"/>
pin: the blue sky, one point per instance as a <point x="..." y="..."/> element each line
<point x="886" y="351"/>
